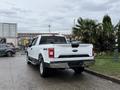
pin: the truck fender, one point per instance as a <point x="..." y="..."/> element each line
<point x="9" y="51"/>
<point x="40" y="57"/>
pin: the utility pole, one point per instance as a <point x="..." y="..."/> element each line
<point x="74" y="22"/>
<point x="49" y="26"/>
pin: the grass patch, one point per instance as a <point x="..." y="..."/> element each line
<point x="105" y="64"/>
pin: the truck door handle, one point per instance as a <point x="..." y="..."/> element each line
<point x="31" y="48"/>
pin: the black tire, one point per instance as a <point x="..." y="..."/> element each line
<point x="42" y="69"/>
<point x="27" y="59"/>
<point x="78" y="70"/>
<point x="9" y="54"/>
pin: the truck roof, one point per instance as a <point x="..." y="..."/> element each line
<point x="51" y="35"/>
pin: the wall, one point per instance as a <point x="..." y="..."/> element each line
<point x="8" y="30"/>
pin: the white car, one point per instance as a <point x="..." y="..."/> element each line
<point x="53" y="51"/>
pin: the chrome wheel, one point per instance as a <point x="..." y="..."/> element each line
<point x="41" y="68"/>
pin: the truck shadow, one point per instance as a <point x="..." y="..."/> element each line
<point x="61" y="79"/>
<point x="67" y="74"/>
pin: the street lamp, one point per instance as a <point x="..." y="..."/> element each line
<point x="49" y="26"/>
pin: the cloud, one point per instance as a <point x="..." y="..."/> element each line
<point x="14" y="12"/>
<point x="7" y="12"/>
<point x="36" y="16"/>
<point x="96" y="7"/>
<point x="20" y="10"/>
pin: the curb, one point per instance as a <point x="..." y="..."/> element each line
<point x="111" y="78"/>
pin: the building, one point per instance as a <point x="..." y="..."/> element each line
<point x="31" y="35"/>
<point x="24" y="38"/>
<point x="9" y="31"/>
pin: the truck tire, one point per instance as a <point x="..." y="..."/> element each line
<point x="43" y="70"/>
<point x="9" y="54"/>
<point x="78" y="70"/>
<point x="27" y="59"/>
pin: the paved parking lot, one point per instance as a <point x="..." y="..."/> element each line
<point x="15" y="74"/>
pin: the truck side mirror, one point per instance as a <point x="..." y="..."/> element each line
<point x="29" y="45"/>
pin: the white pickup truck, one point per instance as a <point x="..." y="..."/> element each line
<point x="53" y="51"/>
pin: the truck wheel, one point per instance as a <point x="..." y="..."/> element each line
<point x="9" y="54"/>
<point x="78" y="70"/>
<point x="43" y="69"/>
<point x="27" y="59"/>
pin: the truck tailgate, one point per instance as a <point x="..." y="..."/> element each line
<point x="67" y="51"/>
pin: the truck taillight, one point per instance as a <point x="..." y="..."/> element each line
<point x="51" y="52"/>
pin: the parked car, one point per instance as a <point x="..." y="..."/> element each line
<point x="11" y="44"/>
<point x="7" y="50"/>
<point x="53" y="51"/>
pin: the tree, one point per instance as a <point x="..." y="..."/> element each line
<point x="108" y="33"/>
<point x="86" y="30"/>
<point x="101" y="35"/>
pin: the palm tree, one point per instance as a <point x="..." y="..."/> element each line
<point x="86" y="30"/>
<point x="101" y="35"/>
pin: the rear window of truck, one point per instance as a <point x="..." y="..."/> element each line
<point x="52" y="40"/>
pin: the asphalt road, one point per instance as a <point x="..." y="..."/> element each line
<point x="15" y="74"/>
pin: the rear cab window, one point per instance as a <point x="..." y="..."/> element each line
<point x="52" y="40"/>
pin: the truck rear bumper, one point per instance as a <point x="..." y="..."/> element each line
<point x="71" y="62"/>
<point x="55" y="60"/>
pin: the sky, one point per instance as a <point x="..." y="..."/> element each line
<point x="36" y="15"/>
